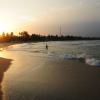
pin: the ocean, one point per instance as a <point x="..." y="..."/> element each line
<point x="88" y="50"/>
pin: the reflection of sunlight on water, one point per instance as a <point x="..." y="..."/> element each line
<point x="2" y="54"/>
<point x="14" y="46"/>
<point x="1" y="49"/>
<point x="4" y="51"/>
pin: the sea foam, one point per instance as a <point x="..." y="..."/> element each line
<point x="92" y="61"/>
<point x="88" y="59"/>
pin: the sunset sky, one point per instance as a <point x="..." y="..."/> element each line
<point x="77" y="17"/>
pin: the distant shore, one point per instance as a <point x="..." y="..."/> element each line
<point x="28" y="37"/>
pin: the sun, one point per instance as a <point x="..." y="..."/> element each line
<point x="13" y="24"/>
<point x="4" y="27"/>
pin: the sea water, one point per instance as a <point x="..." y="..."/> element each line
<point x="87" y="50"/>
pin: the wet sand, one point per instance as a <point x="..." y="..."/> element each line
<point x="67" y="80"/>
<point x="56" y="80"/>
<point x="4" y="65"/>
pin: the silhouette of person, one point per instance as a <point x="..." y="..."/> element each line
<point x="46" y="46"/>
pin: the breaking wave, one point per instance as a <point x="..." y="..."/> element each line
<point x="87" y="58"/>
<point x="92" y="61"/>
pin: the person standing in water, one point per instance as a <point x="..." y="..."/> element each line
<point x="47" y="46"/>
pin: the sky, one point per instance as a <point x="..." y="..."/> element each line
<point x="76" y="17"/>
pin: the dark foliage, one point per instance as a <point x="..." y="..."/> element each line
<point x="25" y="37"/>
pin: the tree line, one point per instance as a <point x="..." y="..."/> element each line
<point x="26" y="37"/>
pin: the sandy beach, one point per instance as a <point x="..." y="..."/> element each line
<point x="55" y="80"/>
<point x="4" y="65"/>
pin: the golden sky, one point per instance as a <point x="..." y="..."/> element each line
<point x="45" y="16"/>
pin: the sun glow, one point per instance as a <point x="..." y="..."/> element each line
<point x="14" y="24"/>
<point x="5" y="26"/>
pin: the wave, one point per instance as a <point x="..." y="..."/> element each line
<point x="92" y="61"/>
<point x="39" y="49"/>
<point x="88" y="59"/>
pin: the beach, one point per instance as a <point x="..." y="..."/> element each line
<point x="49" y="49"/>
<point x="56" y="80"/>
<point x="40" y="74"/>
<point x="4" y="65"/>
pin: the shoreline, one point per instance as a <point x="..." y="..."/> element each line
<point x="4" y="66"/>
